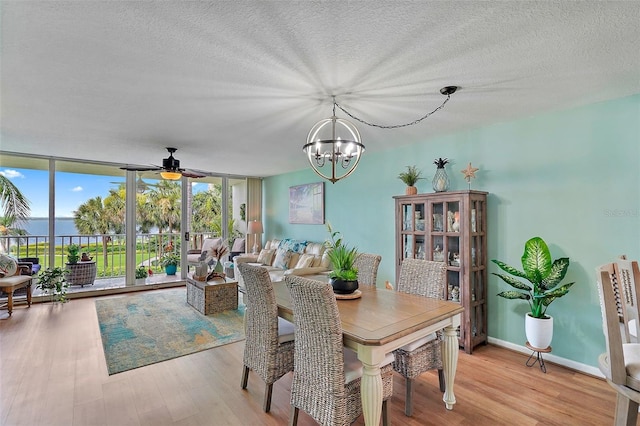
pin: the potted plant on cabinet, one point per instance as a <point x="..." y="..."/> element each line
<point x="344" y="275"/>
<point x="54" y="282"/>
<point x="545" y="276"/>
<point x="170" y="262"/>
<point x="410" y="178"/>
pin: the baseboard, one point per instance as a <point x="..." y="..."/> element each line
<point x="577" y="366"/>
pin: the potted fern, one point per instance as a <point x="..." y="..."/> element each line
<point x="544" y="276"/>
<point x="410" y="177"/>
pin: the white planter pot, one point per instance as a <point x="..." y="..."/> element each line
<point x="539" y="331"/>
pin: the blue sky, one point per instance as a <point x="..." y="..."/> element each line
<point x="71" y="189"/>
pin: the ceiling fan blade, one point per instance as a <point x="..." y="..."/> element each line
<point x="195" y="174"/>
<point x="141" y="169"/>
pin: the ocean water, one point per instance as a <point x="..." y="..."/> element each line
<point x="39" y="226"/>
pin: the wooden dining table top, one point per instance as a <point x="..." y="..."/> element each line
<point x="380" y="315"/>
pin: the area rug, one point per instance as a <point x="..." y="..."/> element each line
<point x="151" y="327"/>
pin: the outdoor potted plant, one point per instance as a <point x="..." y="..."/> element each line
<point x="170" y="262"/>
<point x="141" y="274"/>
<point x="410" y="178"/>
<point x="79" y="273"/>
<point x="344" y="275"/>
<point x="54" y="282"/>
<point x="545" y="276"/>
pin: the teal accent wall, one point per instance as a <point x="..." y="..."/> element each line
<point x="571" y="177"/>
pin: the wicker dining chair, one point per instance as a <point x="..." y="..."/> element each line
<point x="269" y="344"/>
<point x="425" y="278"/>
<point x="319" y="387"/>
<point x="367" y="265"/>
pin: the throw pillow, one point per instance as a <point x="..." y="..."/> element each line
<point x="282" y="259"/>
<point x="8" y="266"/>
<point x="265" y="256"/>
<point x="304" y="261"/>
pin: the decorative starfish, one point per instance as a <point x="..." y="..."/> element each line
<point x="469" y="173"/>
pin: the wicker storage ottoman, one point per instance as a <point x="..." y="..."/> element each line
<point x="212" y="296"/>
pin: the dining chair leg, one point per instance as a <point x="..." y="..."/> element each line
<point x="441" y="379"/>
<point x="293" y="416"/>
<point x="385" y="413"/>
<point x="626" y="411"/>
<point x="408" y="399"/>
<point x="267" y="397"/>
<point x="245" y="376"/>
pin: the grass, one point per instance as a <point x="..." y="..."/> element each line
<point x="112" y="266"/>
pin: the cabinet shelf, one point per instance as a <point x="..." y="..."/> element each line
<point x="450" y="227"/>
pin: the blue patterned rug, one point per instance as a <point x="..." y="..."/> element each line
<point x="155" y="326"/>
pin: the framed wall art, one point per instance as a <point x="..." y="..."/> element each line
<point x="306" y="203"/>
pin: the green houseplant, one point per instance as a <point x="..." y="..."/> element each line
<point x="141" y="273"/>
<point x="544" y="276"/>
<point x="410" y="177"/>
<point x="54" y="282"/>
<point x="72" y="253"/>
<point x="344" y="274"/>
<point x="170" y="262"/>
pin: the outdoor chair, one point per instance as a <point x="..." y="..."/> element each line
<point x="367" y="265"/>
<point x="269" y="345"/>
<point x="619" y="287"/>
<point x="326" y="377"/>
<point x="424" y="278"/>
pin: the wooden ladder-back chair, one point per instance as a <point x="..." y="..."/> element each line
<point x="327" y="376"/>
<point x="269" y="344"/>
<point x="367" y="265"/>
<point x="424" y="278"/>
<point x="618" y="286"/>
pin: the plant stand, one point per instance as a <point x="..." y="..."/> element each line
<point x="538" y="359"/>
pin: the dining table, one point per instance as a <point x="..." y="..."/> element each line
<point x="381" y="321"/>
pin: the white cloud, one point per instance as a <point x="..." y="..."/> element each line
<point x="77" y="189"/>
<point x="11" y="174"/>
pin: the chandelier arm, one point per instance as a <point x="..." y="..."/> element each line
<point x="393" y="126"/>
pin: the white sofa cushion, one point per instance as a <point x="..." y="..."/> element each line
<point x="265" y="257"/>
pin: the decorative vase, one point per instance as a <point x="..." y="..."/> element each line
<point x="440" y="180"/>
<point x="342" y="286"/>
<point x="219" y="267"/>
<point x="539" y="331"/>
<point x="411" y="190"/>
<point x="171" y="269"/>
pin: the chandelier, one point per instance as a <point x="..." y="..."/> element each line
<point x="334" y="146"/>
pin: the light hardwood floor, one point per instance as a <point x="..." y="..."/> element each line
<point x="52" y="372"/>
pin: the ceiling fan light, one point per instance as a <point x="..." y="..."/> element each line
<point x="169" y="175"/>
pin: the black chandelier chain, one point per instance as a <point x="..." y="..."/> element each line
<point x="448" y="91"/>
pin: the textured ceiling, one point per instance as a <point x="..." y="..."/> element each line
<point x="236" y="85"/>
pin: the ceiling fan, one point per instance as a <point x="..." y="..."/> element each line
<point x="141" y="185"/>
<point x="170" y="168"/>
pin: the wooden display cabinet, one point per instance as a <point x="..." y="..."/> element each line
<point x="450" y="227"/>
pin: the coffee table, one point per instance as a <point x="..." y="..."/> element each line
<point x="210" y="297"/>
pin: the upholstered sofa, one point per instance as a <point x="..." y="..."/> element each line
<point x="287" y="256"/>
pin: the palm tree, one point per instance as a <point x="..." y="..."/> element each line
<point x="101" y="218"/>
<point x="14" y="204"/>
<point x="15" y="208"/>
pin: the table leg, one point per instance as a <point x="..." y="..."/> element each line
<point x="10" y="301"/>
<point x="371" y="394"/>
<point x="29" y="294"/>
<point x="449" y="364"/>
